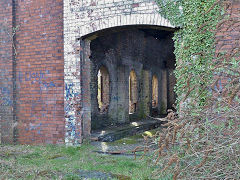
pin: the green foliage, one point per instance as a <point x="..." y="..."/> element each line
<point x="194" y="46"/>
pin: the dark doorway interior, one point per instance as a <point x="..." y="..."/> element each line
<point x="131" y="74"/>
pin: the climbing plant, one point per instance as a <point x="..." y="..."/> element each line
<point x="194" y="46"/>
<point x="202" y="142"/>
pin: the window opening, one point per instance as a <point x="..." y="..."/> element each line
<point x="154" y="91"/>
<point x="103" y="89"/>
<point x="132" y="92"/>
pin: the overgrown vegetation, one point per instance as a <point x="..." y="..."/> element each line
<point x="203" y="142"/>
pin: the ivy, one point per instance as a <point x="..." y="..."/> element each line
<point x="194" y="46"/>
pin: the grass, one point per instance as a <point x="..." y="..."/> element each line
<point x="60" y="162"/>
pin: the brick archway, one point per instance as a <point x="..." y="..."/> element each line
<point x="152" y="18"/>
<point x="82" y="18"/>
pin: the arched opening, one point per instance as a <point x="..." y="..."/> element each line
<point x="103" y="89"/>
<point x="132" y="56"/>
<point x="154" y="91"/>
<point x="133" y="95"/>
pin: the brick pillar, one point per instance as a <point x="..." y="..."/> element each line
<point x="123" y="95"/>
<point x="164" y="93"/>
<point x="85" y="76"/>
<point x="146" y="99"/>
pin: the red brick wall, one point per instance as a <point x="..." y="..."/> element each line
<point x="40" y="72"/>
<point x="228" y="36"/>
<point x="229" y="31"/>
<point x="6" y="75"/>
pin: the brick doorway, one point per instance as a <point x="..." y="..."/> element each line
<point x="141" y="52"/>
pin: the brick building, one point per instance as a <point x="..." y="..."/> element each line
<point x="71" y="66"/>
